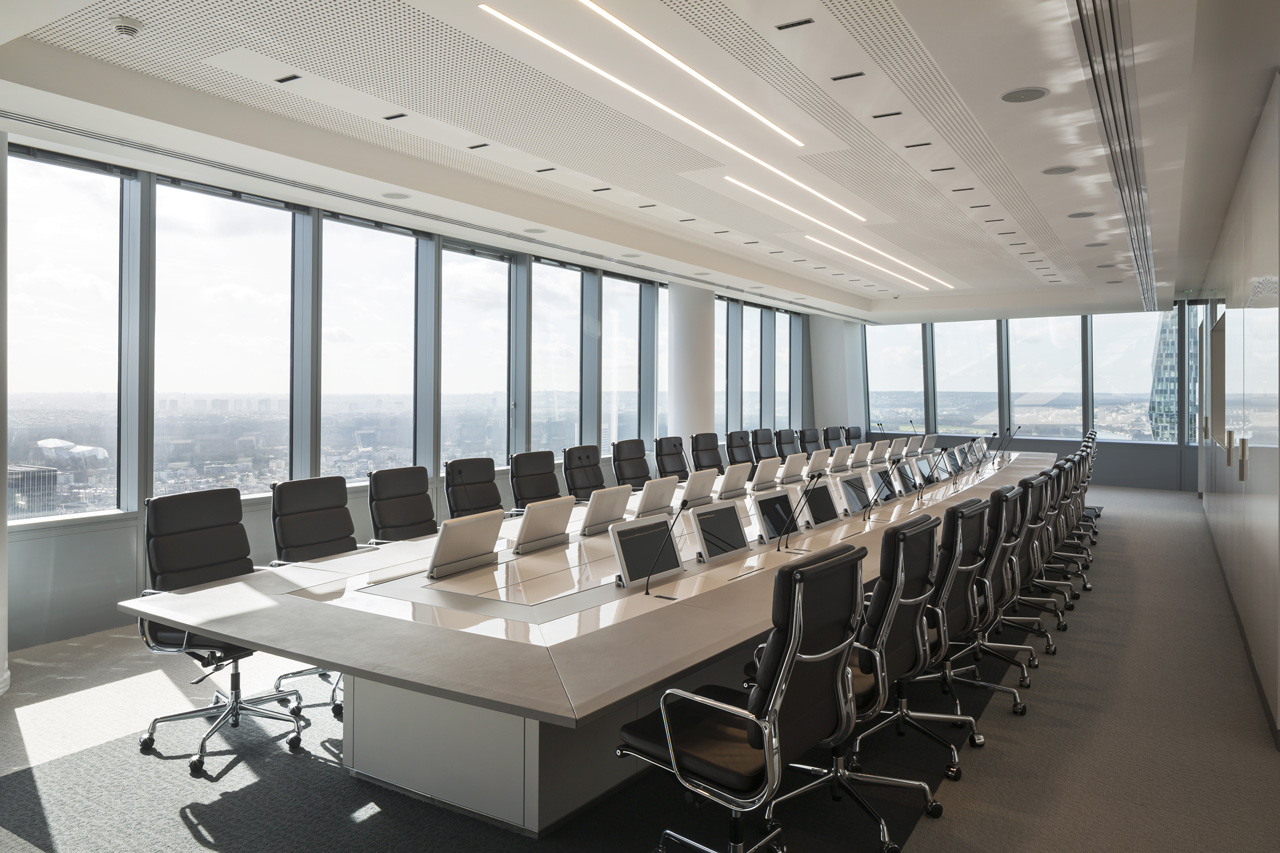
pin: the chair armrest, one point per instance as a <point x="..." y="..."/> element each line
<point x="882" y="684"/>
<point x="275" y="564"/>
<point x="376" y="542"/>
<point x="773" y="754"/>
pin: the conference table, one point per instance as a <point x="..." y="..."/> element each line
<point x="499" y="691"/>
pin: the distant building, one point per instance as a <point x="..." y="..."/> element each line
<point x="1162" y="410"/>
<point x="33" y="491"/>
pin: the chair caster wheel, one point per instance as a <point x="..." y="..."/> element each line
<point x="976" y="740"/>
<point x="145" y="743"/>
<point x="1034" y="663"/>
<point x="1020" y="708"/>
<point x="1051" y="649"/>
<point x="294" y="741"/>
<point x="337" y="710"/>
<point x="1088" y="587"/>
<point x="934" y="809"/>
<point x="1062" y="626"/>
<point x="954" y="773"/>
<point x="296" y="710"/>
<point x="196" y="766"/>
<point x="1075" y="596"/>
<point x="1093" y="541"/>
<point x="891" y="848"/>
<point x="1024" y="682"/>
<point x="1070" y="606"/>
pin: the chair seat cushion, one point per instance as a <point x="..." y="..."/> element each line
<point x="712" y="746"/>
<point x="864" y="689"/>
<point x="164" y="635"/>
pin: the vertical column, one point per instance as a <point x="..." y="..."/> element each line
<point x="1004" y="400"/>
<point x="648" y="403"/>
<point x="4" y="408"/>
<point x="930" y="380"/>
<point x="733" y="362"/>
<point x="769" y="370"/>
<point x="802" y="403"/>
<point x="1086" y="374"/>
<point x="304" y="382"/>
<point x="691" y="360"/>
<point x="426" y="368"/>
<point x="520" y="362"/>
<point x="591" y="379"/>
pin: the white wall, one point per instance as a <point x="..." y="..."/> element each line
<point x="691" y="360"/>
<point x="1244" y="516"/>
<point x="4" y="410"/>
<point x="835" y="348"/>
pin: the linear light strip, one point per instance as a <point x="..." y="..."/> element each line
<point x="865" y="261"/>
<point x="626" y="28"/>
<point x="666" y="109"/>
<point x="833" y="229"/>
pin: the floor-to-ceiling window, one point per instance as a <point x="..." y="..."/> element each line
<point x="1135" y="376"/>
<point x="895" y="378"/>
<point x="222" y="358"/>
<point x="967" y="377"/>
<point x="664" y="322"/>
<point x="619" y="361"/>
<point x="751" y="411"/>
<point x="64" y="300"/>
<point x="721" y="339"/>
<point x="555" y="369"/>
<point x="366" y="384"/>
<point x="782" y="370"/>
<point x="1196" y="315"/>
<point x="1044" y="376"/>
<point x="474" y="414"/>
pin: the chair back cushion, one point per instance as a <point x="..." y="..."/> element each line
<point x="899" y="630"/>
<point x="762" y="444"/>
<point x="310" y="519"/>
<point x="469" y="487"/>
<point x="533" y="477"/>
<point x="832" y="437"/>
<point x="787" y="443"/>
<point x="737" y="445"/>
<point x="810" y="440"/>
<point x="195" y="538"/>
<point x="669" y="454"/>
<point x="961" y="554"/>
<point x="399" y="504"/>
<point x="582" y="473"/>
<point x="853" y="434"/>
<point x="706" y="452"/>
<point x="629" y="465"/>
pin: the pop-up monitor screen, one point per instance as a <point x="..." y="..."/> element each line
<point x="929" y="469"/>
<point x="721" y="531"/>
<point x="644" y="547"/>
<point x="774" y="513"/>
<point x="907" y="476"/>
<point x="821" y="508"/>
<point x="885" y="488"/>
<point x="855" y="492"/>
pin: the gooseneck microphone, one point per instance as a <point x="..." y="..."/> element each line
<point x="794" y="521"/>
<point x="670" y="538"/>
<point x="914" y="431"/>
<point x="1009" y="441"/>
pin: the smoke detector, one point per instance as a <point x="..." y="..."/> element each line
<point x="127" y="27"/>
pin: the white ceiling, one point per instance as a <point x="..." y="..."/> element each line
<point x="952" y="186"/>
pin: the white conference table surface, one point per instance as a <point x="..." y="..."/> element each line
<point x="578" y="645"/>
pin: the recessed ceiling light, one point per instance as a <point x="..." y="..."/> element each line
<point x="1021" y="96"/>
<point x="685" y="68"/>
<point x="666" y="109"/>
<point x="865" y="261"/>
<point x="1005" y="233"/>
<point x="1094" y="245"/>
<point x="394" y="117"/>
<point x="643" y="206"/>
<point x="918" y="145"/>
<point x="944" y="169"/>
<point x="963" y="190"/>
<point x="548" y="169"/>
<point x="688" y="220"/>
<point x="719" y="232"/>
<point x="631" y="255"/>
<point x="1084" y="214"/>
<point x="396" y="196"/>
<point x="1115" y="282"/>
<point x="791" y="24"/>
<point x="288" y="78"/>
<point x="840" y="77"/>
<point x="535" y="231"/>
<point x="888" y="115"/>
<point x="1106" y="266"/>
<point x="476" y="147"/>
<point x="1059" y="170"/>
<point x="835" y="230"/>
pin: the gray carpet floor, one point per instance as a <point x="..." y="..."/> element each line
<point x="1145" y="732"/>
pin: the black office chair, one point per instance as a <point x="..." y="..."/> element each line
<point x="762" y="445"/>
<point x="629" y="465"/>
<point x="582" y="472"/>
<point x="310" y="520"/>
<point x="895" y="628"/>
<point x="810" y="440"/>
<point x="669" y="454"/>
<point x="729" y="746"/>
<point x="833" y="437"/>
<point x="788" y="443"/>
<point x="399" y="504"/>
<point x="533" y="477"/>
<point x="706" y="452"/>
<point x="737" y="445"/>
<point x="196" y="538"/>
<point x="470" y="486"/>
<point x="852" y="435"/>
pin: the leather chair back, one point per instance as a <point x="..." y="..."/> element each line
<point x="582" y="472"/>
<point x="810" y="440"/>
<point x="737" y="445"/>
<point x="310" y="519"/>
<point x="762" y="444"/>
<point x="533" y="477"/>
<point x="669" y="454"/>
<point x="399" y="504"/>
<point x="852" y="435"/>
<point x="961" y="555"/>
<point x="1004" y="533"/>
<point x="833" y="437"/>
<point x="470" y="486"/>
<point x="894" y="623"/>
<point x="787" y="443"/>
<point x="706" y="452"/>
<point x="629" y="465"/>
<point x="194" y="538"/>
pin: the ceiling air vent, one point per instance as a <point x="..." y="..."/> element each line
<point x="840" y="77"/>
<point x="794" y="24"/>
<point x="289" y="78"/>
<point x="126" y="27"/>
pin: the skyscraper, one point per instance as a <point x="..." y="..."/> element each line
<point x="1162" y="411"/>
